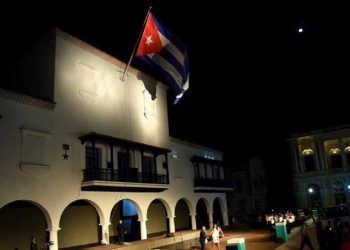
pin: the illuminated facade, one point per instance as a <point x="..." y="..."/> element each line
<point x="89" y="149"/>
<point x="321" y="161"/>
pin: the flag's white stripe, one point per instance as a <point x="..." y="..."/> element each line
<point x="169" y="46"/>
<point x="166" y="66"/>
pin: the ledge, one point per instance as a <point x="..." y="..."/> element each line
<point x="123" y="186"/>
<point x="35" y="170"/>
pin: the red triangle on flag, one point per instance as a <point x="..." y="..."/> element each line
<point x="150" y="41"/>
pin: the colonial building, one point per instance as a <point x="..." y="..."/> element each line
<point x="249" y="189"/>
<point x="321" y="161"/>
<point x="81" y="149"/>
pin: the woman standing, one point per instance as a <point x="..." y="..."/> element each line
<point x="215" y="234"/>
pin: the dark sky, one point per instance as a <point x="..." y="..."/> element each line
<point x="254" y="78"/>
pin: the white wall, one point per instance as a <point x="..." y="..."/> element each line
<point x="57" y="182"/>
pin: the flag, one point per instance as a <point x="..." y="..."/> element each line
<point x="166" y="54"/>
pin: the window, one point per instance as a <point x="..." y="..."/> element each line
<point x="335" y="158"/>
<point x="216" y="172"/>
<point x="339" y="193"/>
<point x="309" y="162"/>
<point x="93" y="157"/>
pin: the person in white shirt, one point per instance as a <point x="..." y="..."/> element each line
<point x="215" y="234"/>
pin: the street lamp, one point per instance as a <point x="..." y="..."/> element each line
<point x="311" y="190"/>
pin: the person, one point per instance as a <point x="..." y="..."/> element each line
<point x="305" y="240"/>
<point x="203" y="237"/>
<point x="121" y="232"/>
<point x="33" y="245"/>
<point x="215" y="234"/>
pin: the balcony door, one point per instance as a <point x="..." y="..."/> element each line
<point x="148" y="169"/>
<point x="122" y="165"/>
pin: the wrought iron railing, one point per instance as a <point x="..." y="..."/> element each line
<point x="105" y="174"/>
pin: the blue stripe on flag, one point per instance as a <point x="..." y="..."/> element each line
<point x="172" y="60"/>
<point x="169" y="36"/>
<point x="165" y="74"/>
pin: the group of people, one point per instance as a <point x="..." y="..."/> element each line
<point x="34" y="244"/>
<point x="334" y="236"/>
<point x="214" y="234"/>
<point x="288" y="217"/>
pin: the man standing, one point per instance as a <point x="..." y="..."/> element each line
<point x="305" y="240"/>
<point x="33" y="245"/>
<point x="121" y="232"/>
<point x="203" y="237"/>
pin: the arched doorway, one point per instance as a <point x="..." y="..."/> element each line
<point x="315" y="197"/>
<point x="182" y="216"/>
<point x="157" y="222"/>
<point x="20" y="220"/>
<point x="128" y="212"/>
<point x="79" y="225"/>
<point x="217" y="212"/>
<point x="202" y="217"/>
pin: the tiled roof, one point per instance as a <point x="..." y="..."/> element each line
<point x="26" y="99"/>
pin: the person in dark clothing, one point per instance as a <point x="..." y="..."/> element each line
<point x="203" y="237"/>
<point x="33" y="245"/>
<point x="121" y="232"/>
<point x="321" y="238"/>
<point x="305" y="240"/>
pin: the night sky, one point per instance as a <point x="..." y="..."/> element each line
<point x="254" y="79"/>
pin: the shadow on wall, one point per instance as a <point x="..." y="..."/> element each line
<point x="150" y="85"/>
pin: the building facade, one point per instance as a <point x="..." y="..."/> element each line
<point x="320" y="162"/>
<point x="81" y="149"/>
<point x="249" y="190"/>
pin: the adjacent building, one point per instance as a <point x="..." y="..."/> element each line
<point x="81" y="149"/>
<point x="249" y="190"/>
<point x="320" y="162"/>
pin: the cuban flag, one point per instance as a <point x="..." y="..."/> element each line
<point x="165" y="54"/>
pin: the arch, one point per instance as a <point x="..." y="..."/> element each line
<point x="43" y="210"/>
<point x="218" y="211"/>
<point x="314" y="194"/>
<point x="158" y="212"/>
<point x="125" y="210"/>
<point x="81" y="218"/>
<point x="202" y="213"/>
<point x="21" y="219"/>
<point x="183" y="217"/>
<point x="165" y="204"/>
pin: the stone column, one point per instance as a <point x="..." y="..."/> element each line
<point x="294" y="155"/>
<point x="171" y="224"/>
<point x="54" y="238"/>
<point x="210" y="214"/>
<point x="143" y="229"/>
<point x="225" y="218"/>
<point x="321" y="154"/>
<point x="105" y="233"/>
<point x="193" y="222"/>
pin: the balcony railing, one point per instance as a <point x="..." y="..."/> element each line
<point x="222" y="183"/>
<point x="104" y="174"/>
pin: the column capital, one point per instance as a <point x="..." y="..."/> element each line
<point x="144" y="220"/>
<point x="54" y="229"/>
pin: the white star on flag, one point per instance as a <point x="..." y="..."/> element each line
<point x="149" y="40"/>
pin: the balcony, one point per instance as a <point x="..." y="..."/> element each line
<point x="120" y="170"/>
<point x="210" y="185"/>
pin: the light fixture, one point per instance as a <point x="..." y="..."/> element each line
<point x="311" y="190"/>
<point x="300" y="30"/>
<point x="175" y="156"/>
<point x="65" y="147"/>
<point x="335" y="151"/>
<point x="307" y="151"/>
<point x="349" y="186"/>
<point x="347" y="149"/>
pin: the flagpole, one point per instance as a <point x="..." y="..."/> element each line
<point x="136" y="44"/>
